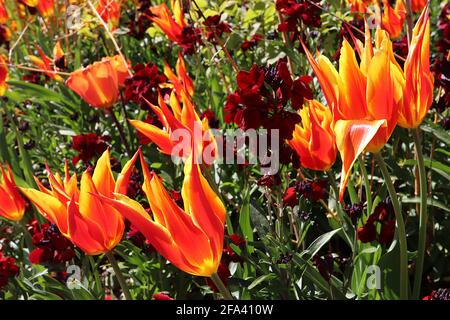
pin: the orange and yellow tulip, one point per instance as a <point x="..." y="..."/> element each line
<point x="109" y="10"/>
<point x="171" y="26"/>
<point x="46" y="8"/>
<point x="418" y="94"/>
<point x="47" y="64"/>
<point x="190" y="238"/>
<point x="393" y="19"/>
<point x="30" y="3"/>
<point x="177" y="117"/>
<point x="359" y="5"/>
<point x="12" y="205"/>
<point x="98" y="84"/>
<point x="418" y="5"/>
<point x="364" y="98"/>
<point x="90" y="224"/>
<point x="314" y="139"/>
<point x="3" y="74"/>
<point x="3" y="12"/>
<point x="182" y="83"/>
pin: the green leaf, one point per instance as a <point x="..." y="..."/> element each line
<point x="437" y="131"/>
<point x="319" y="242"/>
<point x="430" y="201"/>
<point x="245" y="221"/>
<point x="261" y="279"/>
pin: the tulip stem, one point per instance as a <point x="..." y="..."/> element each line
<point x="221" y="287"/>
<point x="423" y="215"/>
<point x="366" y="184"/>
<point x="119" y="275"/>
<point x="121" y="133"/>
<point x="400" y="228"/>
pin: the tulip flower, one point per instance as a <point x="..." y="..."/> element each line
<point x="91" y="225"/>
<point x="359" y="5"/>
<point x="98" y="84"/>
<point x="393" y="19"/>
<point x="181" y="81"/>
<point x="418" y="94"/>
<point x="12" y="205"/>
<point x="178" y="124"/>
<point x="109" y="10"/>
<point x="3" y="74"/>
<point x="185" y="118"/>
<point x="30" y="3"/>
<point x="364" y="97"/>
<point x="3" y="12"/>
<point x="171" y="26"/>
<point x="418" y="5"/>
<point x="314" y="139"/>
<point x="190" y="238"/>
<point x="46" y="7"/>
<point x="47" y="64"/>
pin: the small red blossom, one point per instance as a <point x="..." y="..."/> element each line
<point x="8" y="269"/>
<point x="290" y="198"/>
<point x="161" y="296"/>
<point x="51" y="246"/>
<point x="214" y="25"/>
<point x="144" y="85"/>
<point x="88" y="145"/>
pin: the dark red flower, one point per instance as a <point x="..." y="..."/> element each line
<point x="211" y="116"/>
<point x="88" y="145"/>
<point x="214" y="25"/>
<point x="253" y="42"/>
<point x="290" y="198"/>
<point x="295" y="13"/>
<point x="51" y="246"/>
<point x="144" y="85"/>
<point x="269" y="180"/>
<point x="312" y="190"/>
<point x="387" y="232"/>
<point x="161" y="296"/>
<point x="8" y="269"/>
<point x="367" y="233"/>
<point x="190" y="37"/>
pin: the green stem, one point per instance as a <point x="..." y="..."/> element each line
<point x="423" y="215"/>
<point x="119" y="275"/>
<point x="400" y="228"/>
<point x="222" y="289"/>
<point x="98" y="283"/>
<point x="121" y="133"/>
<point x="352" y="192"/>
<point x="366" y="185"/>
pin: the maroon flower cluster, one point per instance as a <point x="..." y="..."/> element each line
<point x="441" y="66"/>
<point x="296" y="13"/>
<point x="262" y="97"/>
<point x="144" y="85"/>
<point x="8" y="269"/>
<point x="384" y="215"/>
<point x="88" y="146"/>
<point x="252" y="42"/>
<point x="190" y="37"/>
<point x="51" y="246"/>
<point x="139" y="22"/>
<point x="311" y="190"/>
<point x="214" y="25"/>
